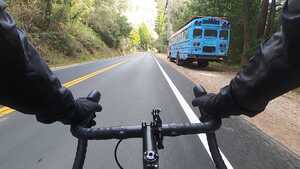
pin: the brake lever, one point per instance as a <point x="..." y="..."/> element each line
<point x="198" y="92"/>
<point x="94" y="96"/>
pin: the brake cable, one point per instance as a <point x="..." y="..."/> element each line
<point x="115" y="153"/>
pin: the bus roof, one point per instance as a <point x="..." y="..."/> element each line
<point x="199" y="17"/>
<point x="190" y="20"/>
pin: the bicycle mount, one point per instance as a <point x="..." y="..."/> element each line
<point x="153" y="140"/>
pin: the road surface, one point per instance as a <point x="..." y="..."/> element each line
<point x="130" y="90"/>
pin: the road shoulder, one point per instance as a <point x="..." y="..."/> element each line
<point x="279" y="120"/>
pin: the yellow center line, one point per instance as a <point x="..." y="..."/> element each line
<point x="6" y="110"/>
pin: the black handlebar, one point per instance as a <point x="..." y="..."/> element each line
<point x="210" y="136"/>
<point x="83" y="143"/>
<point x="126" y="132"/>
<point x="152" y="135"/>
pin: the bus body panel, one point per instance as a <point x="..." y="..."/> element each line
<point x="208" y="40"/>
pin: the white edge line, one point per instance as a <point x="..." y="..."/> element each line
<point x="190" y="113"/>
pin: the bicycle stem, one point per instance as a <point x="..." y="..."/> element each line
<point x="150" y="154"/>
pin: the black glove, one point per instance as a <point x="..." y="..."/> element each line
<point x="85" y="109"/>
<point x="219" y="105"/>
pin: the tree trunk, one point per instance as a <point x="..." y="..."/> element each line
<point x="262" y="18"/>
<point x="247" y="34"/>
<point x="271" y="18"/>
<point x="48" y="12"/>
<point x="220" y="8"/>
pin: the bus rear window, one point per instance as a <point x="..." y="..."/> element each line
<point x="224" y="35"/>
<point x="197" y="33"/>
<point x="210" y="33"/>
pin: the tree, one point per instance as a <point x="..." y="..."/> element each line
<point x="108" y="21"/>
<point x="135" y="38"/>
<point x="145" y="36"/>
<point x="161" y="26"/>
<point x="243" y="18"/>
<point x="262" y="18"/>
<point x="246" y="32"/>
<point x="47" y="8"/>
<point x="72" y="27"/>
<point x="271" y="18"/>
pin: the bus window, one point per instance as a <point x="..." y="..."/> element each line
<point x="223" y="34"/>
<point x="210" y="33"/>
<point x="197" y="33"/>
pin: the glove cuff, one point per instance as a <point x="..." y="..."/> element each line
<point x="70" y="116"/>
<point x="226" y="105"/>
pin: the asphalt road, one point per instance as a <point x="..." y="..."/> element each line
<point x="129" y="93"/>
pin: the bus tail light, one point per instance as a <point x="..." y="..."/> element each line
<point x="222" y="45"/>
<point x="198" y="23"/>
<point x="196" y="44"/>
<point x="226" y="25"/>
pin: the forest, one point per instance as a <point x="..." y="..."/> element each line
<point x="78" y="30"/>
<point x="66" y="31"/>
<point x="252" y="21"/>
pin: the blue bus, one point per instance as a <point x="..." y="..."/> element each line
<point x="201" y="39"/>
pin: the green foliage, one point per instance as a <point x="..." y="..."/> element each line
<point x="107" y="20"/>
<point x="135" y="38"/>
<point x="161" y="27"/>
<point x="232" y="10"/>
<point x="145" y="36"/>
<point x="182" y="10"/>
<point x="141" y="38"/>
<point x="86" y="36"/>
<point x="72" y="28"/>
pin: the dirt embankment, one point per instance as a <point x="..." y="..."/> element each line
<point x="280" y="120"/>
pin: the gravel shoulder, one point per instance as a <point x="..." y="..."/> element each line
<point x="279" y="120"/>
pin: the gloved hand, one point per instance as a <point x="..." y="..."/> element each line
<point x="219" y="105"/>
<point x="206" y="106"/>
<point x="84" y="109"/>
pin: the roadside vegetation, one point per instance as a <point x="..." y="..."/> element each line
<point x="68" y="31"/>
<point x="141" y="38"/>
<point x="252" y="21"/>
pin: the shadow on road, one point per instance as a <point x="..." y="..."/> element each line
<point x="194" y="66"/>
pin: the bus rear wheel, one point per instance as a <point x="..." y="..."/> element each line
<point x="178" y="61"/>
<point x="169" y="58"/>
<point x="202" y="63"/>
